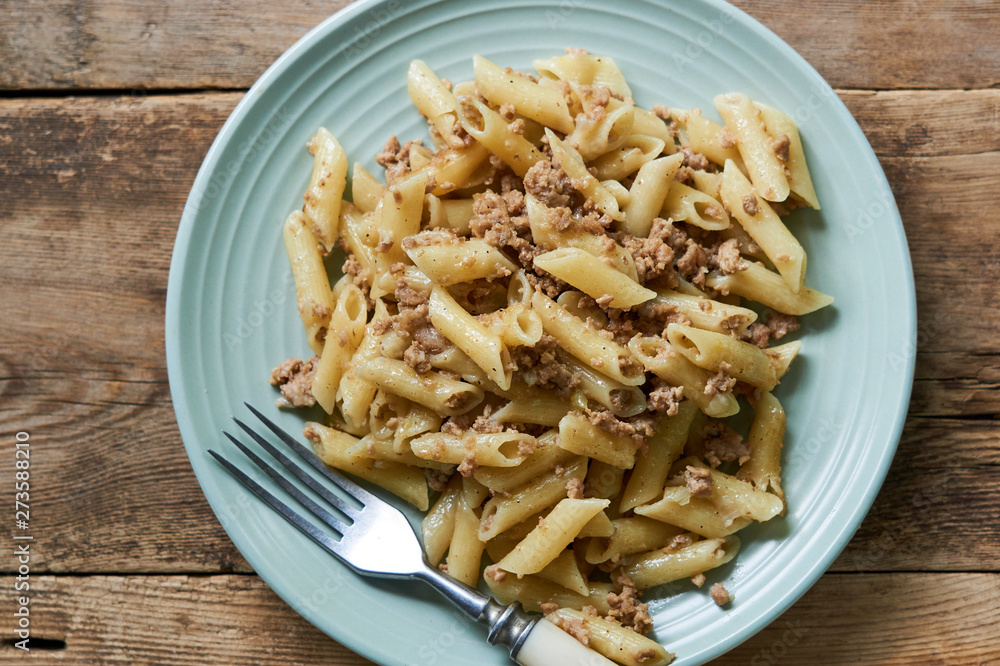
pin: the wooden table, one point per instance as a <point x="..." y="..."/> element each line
<point x="106" y="110"/>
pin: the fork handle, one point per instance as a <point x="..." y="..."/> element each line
<point x="547" y="644"/>
<point x="532" y="641"/>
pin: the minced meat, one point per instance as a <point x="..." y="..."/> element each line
<point x="721" y="381"/>
<point x="295" y="377"/>
<point x="626" y="607"/>
<point x="639" y="427"/>
<point x="548" y="183"/>
<point x="723" y="444"/>
<point x="540" y="366"/>
<point x="698" y="481"/>
<point x="665" y="397"/>
<point x="719" y="594"/>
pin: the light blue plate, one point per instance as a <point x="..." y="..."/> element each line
<point x="231" y="313"/>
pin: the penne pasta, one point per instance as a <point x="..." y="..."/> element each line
<point x="551" y="536"/>
<point x="541" y="104"/>
<point x="653" y="467"/>
<point x="683" y="203"/>
<point x="593" y="277"/>
<point x="312" y="286"/>
<point x="336" y="449"/>
<point x="631" y="535"/>
<point x="784" y="132"/>
<point x="503" y="449"/>
<point x="767" y="434"/>
<point x="578" y="435"/>
<point x="504" y="511"/>
<point x="348" y="328"/>
<point x="572" y="163"/>
<point x="614" y="641"/>
<point x="438" y="525"/>
<point x="659" y="357"/>
<point x="492" y="131"/>
<point x="760" y="221"/>
<point x="583" y="342"/>
<point x="712" y="351"/>
<point x="706" y="313"/>
<point x="467" y="333"/>
<point x="445" y="396"/>
<point x="447" y="261"/>
<point x="659" y="567"/>
<point x="744" y="121"/>
<point x="557" y="328"/>
<point x="649" y="192"/>
<point x="326" y="187"/>
<point x="756" y="283"/>
<point x="635" y="151"/>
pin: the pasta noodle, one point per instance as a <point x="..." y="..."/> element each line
<point x="543" y="320"/>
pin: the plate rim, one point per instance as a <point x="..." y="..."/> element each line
<point x="179" y="392"/>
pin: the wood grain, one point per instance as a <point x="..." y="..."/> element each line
<point x="196" y="44"/>
<point x="908" y="618"/>
<point x="898" y="618"/>
<point x="168" y="620"/>
<point x="130" y="566"/>
<point x="97" y="394"/>
<point x="98" y="508"/>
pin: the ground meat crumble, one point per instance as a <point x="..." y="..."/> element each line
<point x="720" y="382"/>
<point x="719" y="594"/>
<point x="698" y="481"/>
<point x="502" y="222"/>
<point x="665" y="397"/>
<point x="625" y="605"/>
<point x="540" y="366"/>
<point x="776" y="326"/>
<point x="639" y="428"/>
<point x="549" y="184"/>
<point x="294" y="378"/>
<point x="721" y="444"/>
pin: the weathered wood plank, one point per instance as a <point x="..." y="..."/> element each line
<point x="91" y="388"/>
<point x="946" y="618"/>
<point x="73" y="181"/>
<point x="168" y="620"/>
<point x="956" y="384"/>
<point x="883" y="619"/>
<point x="195" y="44"/>
<point x="929" y="519"/>
<point x="72" y="161"/>
<point x="927" y="122"/>
<point x="98" y="508"/>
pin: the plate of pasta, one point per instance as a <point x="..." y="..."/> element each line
<point x="585" y="290"/>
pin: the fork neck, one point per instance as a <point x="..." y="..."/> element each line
<point x="508" y="625"/>
<point x="467" y="599"/>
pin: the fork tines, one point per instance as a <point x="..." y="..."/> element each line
<point x="351" y="512"/>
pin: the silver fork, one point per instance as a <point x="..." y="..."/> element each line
<point x="377" y="540"/>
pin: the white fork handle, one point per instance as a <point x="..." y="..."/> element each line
<point x="547" y="645"/>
